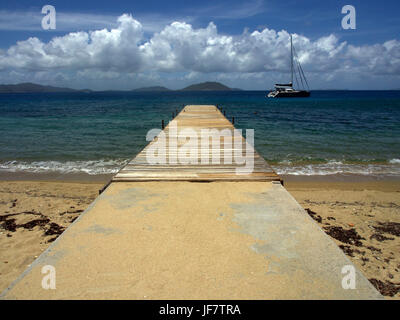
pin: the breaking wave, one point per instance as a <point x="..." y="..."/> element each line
<point x="284" y="167"/>
<point x="92" y="167"/>
<point x="337" y="167"/>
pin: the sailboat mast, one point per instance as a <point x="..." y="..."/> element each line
<point x="291" y="59"/>
<point x="287" y="90"/>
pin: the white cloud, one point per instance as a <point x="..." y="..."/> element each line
<point x="180" y="48"/>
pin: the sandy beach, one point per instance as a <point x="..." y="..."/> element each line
<point x="32" y="215"/>
<point x="363" y="218"/>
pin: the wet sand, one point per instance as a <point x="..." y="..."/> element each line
<point x="363" y="217"/>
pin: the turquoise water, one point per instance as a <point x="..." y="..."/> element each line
<point x="331" y="132"/>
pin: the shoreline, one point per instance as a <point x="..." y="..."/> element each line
<point x="56" y="177"/>
<point x="104" y="178"/>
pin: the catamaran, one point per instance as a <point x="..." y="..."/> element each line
<point x="286" y="90"/>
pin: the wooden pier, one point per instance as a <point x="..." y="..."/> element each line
<point x="156" y="232"/>
<point x="197" y="118"/>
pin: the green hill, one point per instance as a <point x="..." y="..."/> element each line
<point x="32" y="87"/>
<point x="207" y="86"/>
<point x="155" y="88"/>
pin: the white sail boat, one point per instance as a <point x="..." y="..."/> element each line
<point x="286" y="90"/>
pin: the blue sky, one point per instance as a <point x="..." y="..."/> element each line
<point x="332" y="57"/>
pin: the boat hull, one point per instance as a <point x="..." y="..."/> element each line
<point x="290" y="94"/>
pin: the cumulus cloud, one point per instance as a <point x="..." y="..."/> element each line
<point x="181" y="48"/>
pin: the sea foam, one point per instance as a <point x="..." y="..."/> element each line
<point x="92" y="167"/>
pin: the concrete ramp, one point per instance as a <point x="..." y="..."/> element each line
<point x="191" y="240"/>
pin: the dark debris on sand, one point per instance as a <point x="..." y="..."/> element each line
<point x="349" y="236"/>
<point x="374" y="249"/>
<point x="314" y="215"/>
<point x="9" y="225"/>
<point x="392" y="228"/>
<point x="347" y="250"/>
<point x="37" y="222"/>
<point x="54" y="229"/>
<point x="350" y="251"/>
<point x="50" y="228"/>
<point x="386" y="288"/>
<point x="380" y="237"/>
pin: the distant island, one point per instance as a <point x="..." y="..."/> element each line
<point x="153" y="89"/>
<point x="204" y="86"/>
<point x="33" y="88"/>
<point x="207" y="86"/>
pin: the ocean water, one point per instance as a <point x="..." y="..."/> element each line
<point x="333" y="132"/>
